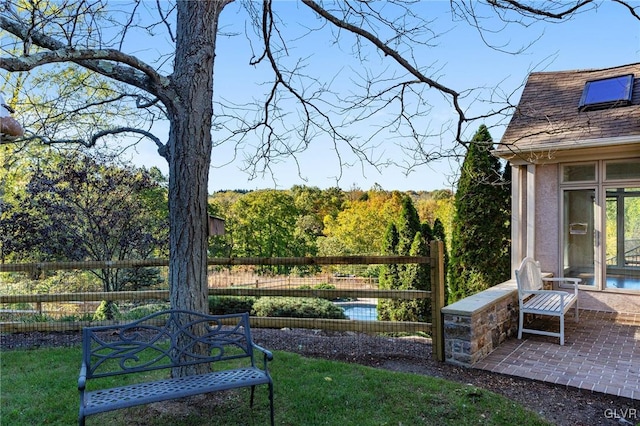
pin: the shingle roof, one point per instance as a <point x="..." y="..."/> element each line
<point x="548" y="116"/>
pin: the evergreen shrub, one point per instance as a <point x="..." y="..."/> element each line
<point x="221" y="305"/>
<point x="297" y="307"/>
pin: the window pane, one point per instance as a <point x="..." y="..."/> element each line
<point x="622" y="230"/>
<point x="623" y="170"/>
<point x="579" y="173"/>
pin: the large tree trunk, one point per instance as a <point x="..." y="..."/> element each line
<point x="189" y="155"/>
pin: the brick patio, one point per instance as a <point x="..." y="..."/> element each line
<point x="601" y="354"/>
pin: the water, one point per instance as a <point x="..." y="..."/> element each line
<point x="360" y="312"/>
<point x="623" y="282"/>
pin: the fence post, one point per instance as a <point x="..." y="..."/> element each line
<point x="437" y="298"/>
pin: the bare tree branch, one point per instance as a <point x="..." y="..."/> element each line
<point x="162" y="149"/>
<point x="135" y="73"/>
<point x="541" y="12"/>
<point x="396" y="56"/>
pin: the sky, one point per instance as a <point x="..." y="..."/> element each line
<point x="601" y="38"/>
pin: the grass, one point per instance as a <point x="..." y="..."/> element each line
<point x="40" y="387"/>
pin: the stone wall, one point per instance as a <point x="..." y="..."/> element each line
<point x="476" y="325"/>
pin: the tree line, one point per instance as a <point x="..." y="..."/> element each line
<point x="70" y="206"/>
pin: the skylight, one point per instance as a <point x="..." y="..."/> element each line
<point x="607" y="93"/>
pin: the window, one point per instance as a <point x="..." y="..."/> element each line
<point x="579" y="173"/>
<point x="628" y="169"/>
<point x="606" y="93"/>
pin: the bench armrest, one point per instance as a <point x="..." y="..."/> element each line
<point x="267" y="353"/>
<point x="268" y="356"/>
<point x="574" y="281"/>
<point x="82" y="379"/>
<point x="569" y="282"/>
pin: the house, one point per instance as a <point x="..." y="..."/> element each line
<point x="574" y="147"/>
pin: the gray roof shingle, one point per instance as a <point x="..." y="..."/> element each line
<point x="547" y="114"/>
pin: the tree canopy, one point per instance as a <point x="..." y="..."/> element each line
<point x="73" y="208"/>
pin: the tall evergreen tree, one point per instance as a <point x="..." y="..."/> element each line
<point x="480" y="224"/>
<point x="409" y="238"/>
<point x="408" y="226"/>
<point x="389" y="273"/>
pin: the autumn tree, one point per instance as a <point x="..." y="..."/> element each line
<point x="360" y="227"/>
<point x="314" y="205"/>
<point x="263" y="224"/>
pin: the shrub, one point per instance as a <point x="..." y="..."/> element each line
<point x="36" y="318"/>
<point x="77" y="317"/>
<point x="220" y="305"/>
<point x="106" y="311"/>
<point x="324" y="286"/>
<point x="144" y="310"/>
<point x="297" y="307"/>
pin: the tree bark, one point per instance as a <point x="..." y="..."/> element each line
<point x="189" y="152"/>
<point x="189" y="155"/>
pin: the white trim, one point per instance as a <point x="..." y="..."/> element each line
<point x="515" y="151"/>
<point x="516" y="218"/>
<point x="531" y="211"/>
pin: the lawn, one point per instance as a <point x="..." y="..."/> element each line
<point x="40" y="387"/>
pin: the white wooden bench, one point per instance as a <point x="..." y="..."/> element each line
<point x="534" y="299"/>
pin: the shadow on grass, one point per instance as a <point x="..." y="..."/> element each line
<point x="40" y="387"/>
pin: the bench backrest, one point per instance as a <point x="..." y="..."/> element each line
<point x="529" y="275"/>
<point x="165" y="339"/>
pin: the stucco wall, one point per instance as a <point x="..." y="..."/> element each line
<point x="547" y="218"/>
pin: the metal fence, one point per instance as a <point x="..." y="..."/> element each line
<point x="346" y="281"/>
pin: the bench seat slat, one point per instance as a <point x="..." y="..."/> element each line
<point x="548" y="303"/>
<point x="143" y="393"/>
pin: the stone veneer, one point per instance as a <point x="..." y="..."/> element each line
<point x="476" y="325"/>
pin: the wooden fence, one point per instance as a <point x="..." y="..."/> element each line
<point x="434" y="328"/>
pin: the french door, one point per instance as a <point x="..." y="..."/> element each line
<point x="580" y="236"/>
<point x="601" y="224"/>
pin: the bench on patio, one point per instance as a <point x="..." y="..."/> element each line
<point x="534" y="299"/>
<point x="168" y="340"/>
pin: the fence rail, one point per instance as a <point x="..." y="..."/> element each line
<point x="228" y="261"/>
<point x="434" y="328"/>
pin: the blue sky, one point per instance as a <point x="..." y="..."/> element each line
<point x="600" y="38"/>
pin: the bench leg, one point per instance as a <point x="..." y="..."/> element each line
<point x="561" y="330"/>
<point x="520" y="323"/>
<point x="271" y="414"/>
<point x="271" y="403"/>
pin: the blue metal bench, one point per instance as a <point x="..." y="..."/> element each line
<point x="169" y="340"/>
